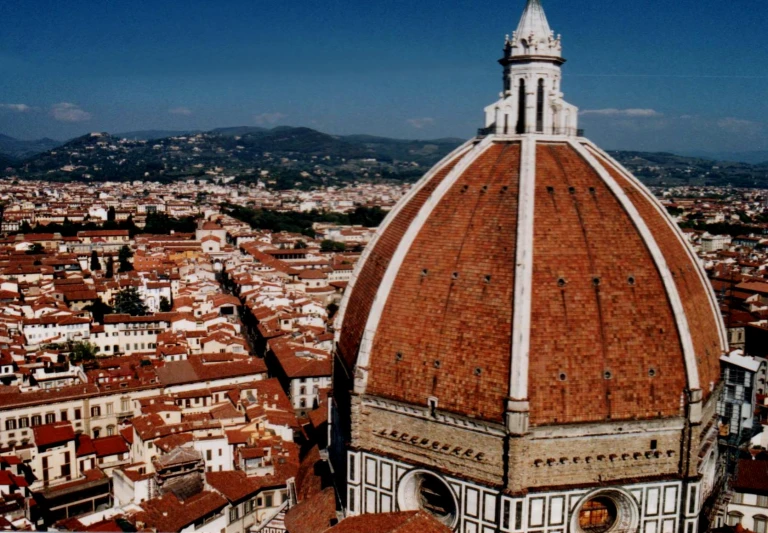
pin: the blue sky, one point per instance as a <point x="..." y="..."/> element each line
<point x="679" y="75"/>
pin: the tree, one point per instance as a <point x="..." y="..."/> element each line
<point x="36" y="249"/>
<point x="299" y="245"/>
<point x="165" y="305"/>
<point x="95" y="264"/>
<point x="25" y="227"/>
<point x="98" y="309"/>
<point x="328" y="245"/>
<point x="124" y="258"/>
<point x="111" y="215"/>
<point x="128" y="301"/>
<point x="82" y="351"/>
<point x="110" y="273"/>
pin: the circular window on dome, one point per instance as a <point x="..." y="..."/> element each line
<point x="597" y="515"/>
<point x="611" y="510"/>
<point x="422" y="490"/>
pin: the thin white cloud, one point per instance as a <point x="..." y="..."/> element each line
<point x="421" y="123"/>
<point x="19" y="108"/>
<point x="738" y="125"/>
<point x="269" y="119"/>
<point x="180" y="111"/>
<point x="66" y="112"/>
<point x="612" y="112"/>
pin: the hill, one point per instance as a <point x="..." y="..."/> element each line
<point x="662" y="168"/>
<point x="151" y="135"/>
<point x="6" y="161"/>
<point x="19" y="149"/>
<point x="289" y="156"/>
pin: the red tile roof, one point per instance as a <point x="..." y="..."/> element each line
<point x="405" y="522"/>
<point x="314" y="515"/>
<point x="597" y="295"/>
<point x="169" y="514"/>
<point x="56" y="433"/>
<point x="751" y="477"/>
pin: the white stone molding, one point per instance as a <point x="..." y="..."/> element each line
<point x="676" y="303"/>
<point x="715" y="309"/>
<point x="517" y="406"/>
<point x="382" y="295"/>
<point x="458" y="152"/>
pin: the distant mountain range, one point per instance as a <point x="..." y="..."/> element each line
<point x="303" y="157"/>
<point x="17" y="149"/>
<point x="290" y="155"/>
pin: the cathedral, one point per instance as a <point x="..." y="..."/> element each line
<point x="529" y="344"/>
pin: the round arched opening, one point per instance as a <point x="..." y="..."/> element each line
<point x="604" y="511"/>
<point x="597" y="515"/>
<point x="422" y="490"/>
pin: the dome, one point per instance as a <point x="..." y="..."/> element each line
<point x="529" y="343"/>
<point x="532" y="273"/>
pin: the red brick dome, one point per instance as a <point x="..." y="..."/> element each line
<point x="531" y="271"/>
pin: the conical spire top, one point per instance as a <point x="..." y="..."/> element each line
<point x="534" y="37"/>
<point x="534" y="21"/>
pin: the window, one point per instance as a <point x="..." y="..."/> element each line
<point x="540" y="107"/>
<point x="208" y="455"/>
<point x="10" y="424"/>
<point x="78" y="414"/>
<point x="762" y="501"/>
<point x="95" y="411"/>
<point x="234" y="514"/>
<point x="66" y="469"/>
<point x="760" y="523"/>
<point x="50" y="418"/>
<point x="597" y="515"/>
<point x="110" y="408"/>
<point x="37" y="420"/>
<point x="125" y="405"/>
<point x="64" y="416"/>
<point x="23" y="422"/>
<point x="521" y="108"/>
<point x="110" y="430"/>
<point x="96" y="433"/>
<point x="734" y="517"/>
<point x="268" y="500"/>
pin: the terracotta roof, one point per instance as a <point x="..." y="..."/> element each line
<point x="235" y="485"/>
<point x="56" y="433"/>
<point x="167" y="513"/>
<point x="405" y="522"/>
<point x="112" y="445"/>
<point x="752" y="477"/>
<point x="447" y="318"/>
<point x="314" y="515"/>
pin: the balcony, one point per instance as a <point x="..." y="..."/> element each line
<point x="570" y="132"/>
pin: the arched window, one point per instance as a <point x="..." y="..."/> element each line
<point x="760" y="523"/>
<point x="540" y="107"/>
<point x="734" y="517"/>
<point x="521" y="108"/>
